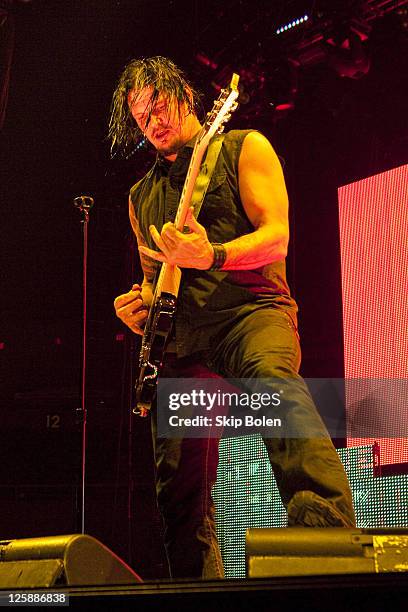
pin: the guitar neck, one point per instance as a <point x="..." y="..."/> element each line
<point x="170" y="276"/>
<point x="189" y="183"/>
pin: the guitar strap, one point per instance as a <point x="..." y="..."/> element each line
<point x="206" y="171"/>
<point x="203" y="180"/>
<point x="200" y="189"/>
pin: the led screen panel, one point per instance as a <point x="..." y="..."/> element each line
<point x="246" y="495"/>
<point x="373" y="215"/>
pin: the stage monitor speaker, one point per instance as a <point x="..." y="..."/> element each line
<point x="306" y="551"/>
<point x="61" y="560"/>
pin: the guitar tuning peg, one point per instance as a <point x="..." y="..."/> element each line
<point x="221" y="129"/>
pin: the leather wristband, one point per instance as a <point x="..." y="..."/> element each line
<point x="220" y="255"/>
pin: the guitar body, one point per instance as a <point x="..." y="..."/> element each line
<point x="155" y="340"/>
<point x="162" y="312"/>
<point x="156" y="337"/>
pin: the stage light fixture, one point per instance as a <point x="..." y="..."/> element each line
<point x="347" y="55"/>
<point x="292" y="24"/>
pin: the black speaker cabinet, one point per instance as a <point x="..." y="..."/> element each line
<point x="306" y="551"/>
<point x="70" y="560"/>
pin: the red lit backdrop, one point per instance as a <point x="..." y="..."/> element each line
<point x="374" y="259"/>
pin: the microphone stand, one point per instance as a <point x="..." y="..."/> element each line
<point x="83" y="204"/>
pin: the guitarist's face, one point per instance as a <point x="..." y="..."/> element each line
<point x="167" y="124"/>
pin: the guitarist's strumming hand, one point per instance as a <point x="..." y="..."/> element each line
<point x="132" y="307"/>
<point x="191" y="250"/>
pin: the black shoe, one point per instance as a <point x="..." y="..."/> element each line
<point x="306" y="509"/>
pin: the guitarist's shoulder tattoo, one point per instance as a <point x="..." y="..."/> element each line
<point x="149" y="266"/>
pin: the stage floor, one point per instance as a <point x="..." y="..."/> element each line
<point x="346" y="592"/>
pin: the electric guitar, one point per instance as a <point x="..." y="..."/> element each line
<point x="162" y="311"/>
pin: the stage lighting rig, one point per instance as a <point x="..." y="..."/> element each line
<point x="337" y="32"/>
<point x="292" y="24"/>
<point x="270" y="55"/>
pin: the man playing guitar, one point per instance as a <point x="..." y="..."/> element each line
<point x="235" y="316"/>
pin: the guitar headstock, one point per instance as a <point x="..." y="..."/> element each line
<point x="221" y="112"/>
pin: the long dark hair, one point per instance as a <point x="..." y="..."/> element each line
<point x="158" y="72"/>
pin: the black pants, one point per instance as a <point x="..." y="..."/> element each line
<point x="264" y="345"/>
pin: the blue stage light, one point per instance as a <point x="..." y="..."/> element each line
<point x="292" y="24"/>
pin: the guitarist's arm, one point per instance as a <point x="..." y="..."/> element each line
<point x="132" y="307"/>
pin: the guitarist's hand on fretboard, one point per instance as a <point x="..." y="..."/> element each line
<point x="186" y="250"/>
<point x="132" y="309"/>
